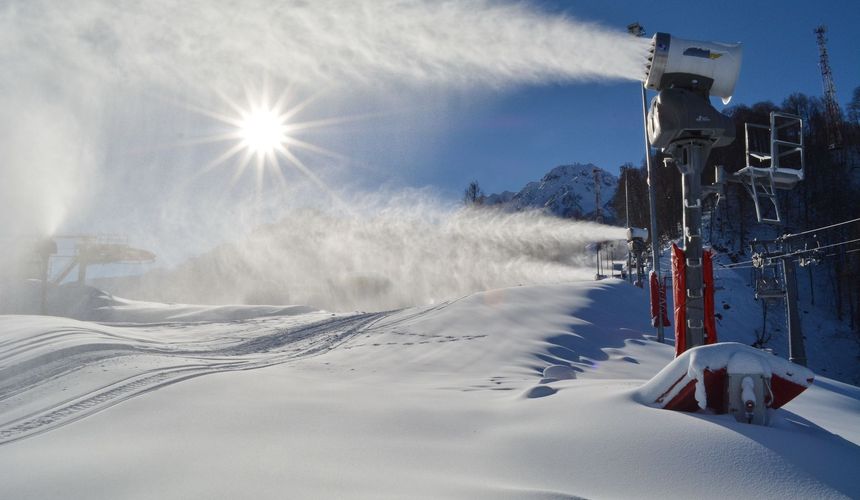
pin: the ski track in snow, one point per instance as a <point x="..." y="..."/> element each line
<point x="518" y="393"/>
<point x="47" y="363"/>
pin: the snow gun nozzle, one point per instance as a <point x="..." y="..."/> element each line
<point x="710" y="68"/>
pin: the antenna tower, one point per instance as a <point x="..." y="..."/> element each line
<point x="598" y="213"/>
<point x="831" y="105"/>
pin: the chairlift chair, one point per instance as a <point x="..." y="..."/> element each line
<point x="774" y="161"/>
<point x="769" y="285"/>
<point x="769" y="288"/>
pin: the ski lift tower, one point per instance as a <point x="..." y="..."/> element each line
<point x="684" y="125"/>
<point x="767" y="258"/>
<point x="100" y="249"/>
<point x="775" y="161"/>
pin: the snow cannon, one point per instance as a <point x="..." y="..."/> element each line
<point x="686" y="73"/>
<point x="636" y="238"/>
<point x="637" y="233"/>
<point x="636" y="250"/>
<point x="684" y="125"/>
<point x="709" y="68"/>
<point x="727" y="378"/>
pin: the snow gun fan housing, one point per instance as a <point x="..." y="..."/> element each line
<point x="686" y="73"/>
<point x="708" y="68"/>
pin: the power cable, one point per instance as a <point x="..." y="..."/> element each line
<point x="823" y="228"/>
<point x="738" y="265"/>
<point x="746" y="263"/>
<point x="808" y="250"/>
<point x="748" y="266"/>
<point x="853" y="250"/>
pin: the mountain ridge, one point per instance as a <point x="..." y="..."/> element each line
<point x="566" y="191"/>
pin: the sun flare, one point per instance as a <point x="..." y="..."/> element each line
<point x="262" y="131"/>
<point x="264" y="134"/>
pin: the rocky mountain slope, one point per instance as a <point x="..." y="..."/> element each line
<point x="566" y="191"/>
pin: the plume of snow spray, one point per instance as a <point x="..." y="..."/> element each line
<point x="116" y="51"/>
<point x="396" y="257"/>
<point x="322" y="42"/>
<point x="79" y="82"/>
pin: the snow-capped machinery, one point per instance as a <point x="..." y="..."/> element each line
<point x="637" y="250"/>
<point x="728" y="378"/>
<point x="685" y="126"/>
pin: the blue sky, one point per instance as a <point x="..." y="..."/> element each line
<point x="512" y="137"/>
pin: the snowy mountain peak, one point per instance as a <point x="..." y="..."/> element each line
<point x="566" y="191"/>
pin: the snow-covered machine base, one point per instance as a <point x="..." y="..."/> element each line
<point x="727" y="378"/>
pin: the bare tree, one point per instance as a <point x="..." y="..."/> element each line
<point x="854" y="107"/>
<point x="473" y="194"/>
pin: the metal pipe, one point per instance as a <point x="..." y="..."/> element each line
<point x="626" y="175"/>
<point x="690" y="158"/>
<point x="652" y="204"/>
<point x="796" y="350"/>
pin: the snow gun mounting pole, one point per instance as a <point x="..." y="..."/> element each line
<point x="684" y="125"/>
<point x="627" y="217"/>
<point x="690" y="157"/>
<point x="638" y="30"/>
<point x="652" y="206"/>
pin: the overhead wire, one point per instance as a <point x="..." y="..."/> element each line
<point x="738" y="265"/>
<point x="823" y="228"/>
<point x="748" y="263"/>
<point x="808" y="250"/>
<point x="853" y="250"/>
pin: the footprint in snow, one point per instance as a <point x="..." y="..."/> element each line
<point x="558" y="372"/>
<point x="539" y="391"/>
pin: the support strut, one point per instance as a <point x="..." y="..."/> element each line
<point x="690" y="156"/>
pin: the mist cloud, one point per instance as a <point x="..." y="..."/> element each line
<point x="93" y="91"/>
<point x="62" y="62"/>
<point x="410" y="251"/>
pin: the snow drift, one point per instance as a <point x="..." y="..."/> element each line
<point x="449" y="401"/>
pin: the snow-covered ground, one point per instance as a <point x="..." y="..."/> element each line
<point x="448" y="401"/>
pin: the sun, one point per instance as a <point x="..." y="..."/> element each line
<point x="262" y="131"/>
<point x="264" y="137"/>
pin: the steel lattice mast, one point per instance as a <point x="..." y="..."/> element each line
<point x="831" y="105"/>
